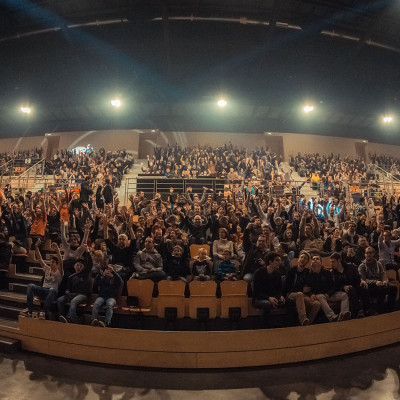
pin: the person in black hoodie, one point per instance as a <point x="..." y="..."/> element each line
<point x="320" y="282"/>
<point x="77" y="292"/>
<point x="108" y="283"/>
<point x="177" y="267"/>
<point x="267" y="286"/>
<point x="347" y="279"/>
<point x="307" y="306"/>
<point x="108" y="192"/>
<point x="86" y="191"/>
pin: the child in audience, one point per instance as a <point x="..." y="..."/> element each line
<point x="226" y="270"/>
<point x="177" y="267"/>
<point x="202" y="266"/>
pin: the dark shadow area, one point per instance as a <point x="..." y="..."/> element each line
<point x="344" y="375"/>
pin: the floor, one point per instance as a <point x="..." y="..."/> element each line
<point x="368" y="375"/>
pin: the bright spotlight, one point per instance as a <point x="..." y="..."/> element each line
<point x="222" y="103"/>
<point x="308" y="108"/>
<point x="116" y="102"/>
<point x="388" y="119"/>
<point x="26" y="110"/>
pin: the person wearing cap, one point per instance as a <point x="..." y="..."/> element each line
<point x="307" y="306"/>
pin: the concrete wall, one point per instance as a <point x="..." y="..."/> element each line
<point x="142" y="143"/>
<point x="389" y="150"/>
<point x="294" y="143"/>
<point x="19" y="144"/>
<point x="214" y="139"/>
<point x="110" y="140"/>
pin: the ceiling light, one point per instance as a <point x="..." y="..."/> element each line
<point x="388" y="119"/>
<point x="308" y="108"/>
<point x="222" y="103"/>
<point x="26" y="110"/>
<point x="116" y="102"/>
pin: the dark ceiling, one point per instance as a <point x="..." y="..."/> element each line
<point x="170" y="60"/>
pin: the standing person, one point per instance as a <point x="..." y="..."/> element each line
<point x="86" y="192"/>
<point x="108" y="284"/>
<point x="108" y="192"/>
<point x="53" y="275"/>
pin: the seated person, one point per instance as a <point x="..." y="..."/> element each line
<point x="5" y="252"/>
<point x="177" y="267"/>
<point x="77" y="293"/>
<point x="255" y="257"/>
<point x="148" y="263"/>
<point x="201" y="266"/>
<point x="123" y="252"/>
<point x="320" y="282"/>
<point x="267" y="286"/>
<point x="226" y="270"/>
<point x="100" y="261"/>
<point x="347" y="279"/>
<point x="221" y="244"/>
<point x="53" y="275"/>
<point x="373" y="274"/>
<point x="307" y="306"/>
<point x="107" y="283"/>
<point x="387" y="248"/>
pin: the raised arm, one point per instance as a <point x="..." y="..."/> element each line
<point x="38" y="255"/>
<point x="55" y="247"/>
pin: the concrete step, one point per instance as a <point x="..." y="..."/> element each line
<point x="18" y="287"/>
<point x="9" y="346"/>
<point x="7" y="297"/>
<point x="27" y="277"/>
<point x="11" y="311"/>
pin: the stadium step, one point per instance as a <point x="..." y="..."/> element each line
<point x="7" y="297"/>
<point x="27" y="278"/>
<point x="11" y="311"/>
<point x="17" y="287"/>
<point x="9" y="346"/>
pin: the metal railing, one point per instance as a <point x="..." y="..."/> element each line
<point x="152" y="185"/>
<point x="30" y="176"/>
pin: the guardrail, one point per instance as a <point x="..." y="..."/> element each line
<point x="150" y="185"/>
<point x="31" y="174"/>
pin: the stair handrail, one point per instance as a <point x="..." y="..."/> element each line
<point x="24" y="177"/>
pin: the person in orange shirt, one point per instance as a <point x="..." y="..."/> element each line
<point x="39" y="222"/>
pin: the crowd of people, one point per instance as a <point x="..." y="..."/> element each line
<point x="278" y="244"/>
<point x="330" y="169"/>
<point x="226" y="162"/>
<point x="73" y="166"/>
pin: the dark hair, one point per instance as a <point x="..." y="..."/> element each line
<point x="336" y="256"/>
<point x="271" y="256"/>
<point x="54" y="258"/>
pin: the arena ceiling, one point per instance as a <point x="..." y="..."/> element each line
<point x="170" y="60"/>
